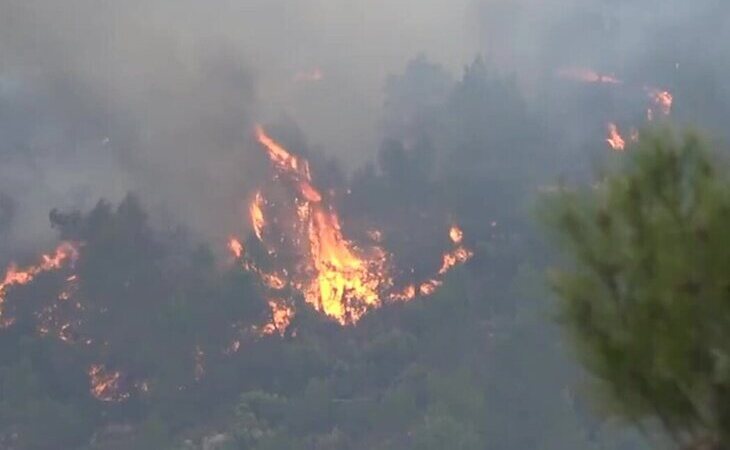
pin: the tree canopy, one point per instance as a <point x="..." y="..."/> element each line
<point x="645" y="292"/>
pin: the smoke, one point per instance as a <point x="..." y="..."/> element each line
<point x="98" y="98"/>
<point x="674" y="45"/>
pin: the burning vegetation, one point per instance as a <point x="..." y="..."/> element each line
<point x="303" y="253"/>
<point x="308" y="254"/>
<point x="65" y="254"/>
<point x="661" y="101"/>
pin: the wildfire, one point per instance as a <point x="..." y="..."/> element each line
<point x="614" y="139"/>
<point x="429" y="287"/>
<point x="662" y="100"/>
<point x="586" y="75"/>
<point x="65" y="253"/>
<point x="281" y="317"/>
<point x="335" y="276"/>
<point x="236" y="247"/>
<point x="457" y="256"/>
<point x="257" y="215"/>
<point x="456" y="234"/>
<point x="106" y="384"/>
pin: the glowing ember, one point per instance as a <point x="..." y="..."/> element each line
<point x="586" y="75"/>
<point x="614" y="139"/>
<point x="65" y="253"/>
<point x="336" y="277"/>
<point x="451" y="259"/>
<point x="106" y="384"/>
<point x="429" y="287"/>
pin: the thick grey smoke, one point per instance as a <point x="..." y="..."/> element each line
<point x="99" y="97"/>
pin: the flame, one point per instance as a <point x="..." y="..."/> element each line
<point x="281" y="317"/>
<point x="614" y="139"/>
<point x="429" y="287"/>
<point x="278" y="154"/>
<point x="236" y="247"/>
<point x="456" y="234"/>
<point x="662" y="100"/>
<point x="336" y="277"/>
<point x="66" y="252"/>
<point x="408" y="293"/>
<point x="455" y="257"/>
<point x="273" y="280"/>
<point x="257" y="215"/>
<point x="586" y="75"/>
<point x="343" y="282"/>
<point x="105" y="384"/>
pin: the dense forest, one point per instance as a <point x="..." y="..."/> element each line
<point x="142" y="332"/>
<point x="436" y="372"/>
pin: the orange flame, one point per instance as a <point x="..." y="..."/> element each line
<point x="614" y="139"/>
<point x="281" y="317"/>
<point x="105" y="384"/>
<point x="456" y="234"/>
<point x="662" y="100"/>
<point x="236" y="247"/>
<point x="336" y="277"/>
<point x="257" y="215"/>
<point x="278" y="154"/>
<point x="455" y="257"/>
<point x="64" y="253"/>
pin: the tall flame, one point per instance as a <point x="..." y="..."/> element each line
<point x="335" y="276"/>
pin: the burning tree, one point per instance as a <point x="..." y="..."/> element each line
<point x="305" y="250"/>
<point x="647" y="297"/>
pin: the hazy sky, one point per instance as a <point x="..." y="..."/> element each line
<point x="98" y="97"/>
